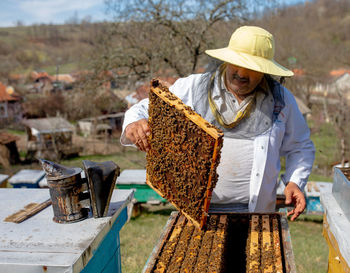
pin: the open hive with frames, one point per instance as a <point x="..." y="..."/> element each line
<point x="230" y="242"/>
<point x="184" y="154"/>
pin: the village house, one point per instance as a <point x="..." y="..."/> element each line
<point x="337" y="85"/>
<point x="141" y="92"/>
<point x="10" y="106"/>
<point x="46" y="84"/>
<point x="49" y="138"/>
<point x="101" y="125"/>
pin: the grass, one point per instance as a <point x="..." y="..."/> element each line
<point x="319" y="177"/>
<point x="63" y="68"/>
<point x="16" y="132"/>
<point x="327" y="147"/>
<point x="129" y="159"/>
<point x="309" y="246"/>
<point x="139" y="236"/>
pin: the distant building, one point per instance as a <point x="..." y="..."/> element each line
<point x="303" y="107"/>
<point x="49" y="138"/>
<point x="46" y="84"/>
<point x="10" y="106"/>
<point x="339" y="82"/>
<point x="142" y="91"/>
<point x="101" y="125"/>
<point x="8" y="150"/>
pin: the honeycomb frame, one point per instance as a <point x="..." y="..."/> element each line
<point x="184" y="154"/>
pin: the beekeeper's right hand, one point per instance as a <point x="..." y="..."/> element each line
<point x="138" y="132"/>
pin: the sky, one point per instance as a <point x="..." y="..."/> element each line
<point x="29" y="12"/>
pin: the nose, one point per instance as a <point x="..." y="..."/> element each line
<point x="242" y="72"/>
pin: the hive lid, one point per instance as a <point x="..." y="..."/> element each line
<point x="341" y="189"/>
<point x="184" y="154"/>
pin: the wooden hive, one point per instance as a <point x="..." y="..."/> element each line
<point x="184" y="154"/>
<point x="231" y="242"/>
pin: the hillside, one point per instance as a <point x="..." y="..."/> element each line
<point x="46" y="47"/>
<point x="313" y="36"/>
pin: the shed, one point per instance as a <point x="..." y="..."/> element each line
<point x="8" y="150"/>
<point x="101" y="124"/>
<point x="51" y="138"/>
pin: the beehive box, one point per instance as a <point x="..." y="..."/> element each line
<point x="336" y="221"/>
<point x="184" y="154"/>
<point x="234" y="242"/>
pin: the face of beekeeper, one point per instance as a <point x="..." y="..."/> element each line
<point x="241" y="81"/>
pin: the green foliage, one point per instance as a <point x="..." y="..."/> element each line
<point x="139" y="237"/>
<point x="16" y="132"/>
<point x="63" y="69"/>
<point x="309" y="247"/>
<point x="327" y="148"/>
<point x="129" y="159"/>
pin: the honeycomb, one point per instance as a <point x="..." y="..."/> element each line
<point x="184" y="154"/>
<point x="229" y="243"/>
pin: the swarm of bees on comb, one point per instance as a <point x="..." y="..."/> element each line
<point x="184" y="154"/>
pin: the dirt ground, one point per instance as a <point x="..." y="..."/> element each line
<point x="103" y="146"/>
<point x="89" y="145"/>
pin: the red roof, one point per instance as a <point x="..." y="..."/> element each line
<point x="298" y="71"/>
<point x="5" y="96"/>
<point x="142" y="91"/>
<point x="339" y="72"/>
<point x="36" y="75"/>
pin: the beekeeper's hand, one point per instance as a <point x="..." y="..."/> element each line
<point x="296" y="197"/>
<point x="137" y="132"/>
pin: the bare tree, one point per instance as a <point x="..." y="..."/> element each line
<point x="341" y="118"/>
<point x="149" y="35"/>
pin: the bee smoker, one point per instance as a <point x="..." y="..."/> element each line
<point x="73" y="196"/>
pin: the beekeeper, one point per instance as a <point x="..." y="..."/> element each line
<point x="260" y="120"/>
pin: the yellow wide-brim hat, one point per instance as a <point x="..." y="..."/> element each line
<point x="252" y="48"/>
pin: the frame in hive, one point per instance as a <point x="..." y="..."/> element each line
<point x="184" y="154"/>
<point x="231" y="242"/>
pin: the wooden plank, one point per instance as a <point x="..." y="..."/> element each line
<point x="287" y="246"/>
<point x="254" y="249"/>
<point x="267" y="248"/>
<point x="27" y="212"/>
<point x="209" y="192"/>
<point x="277" y="246"/>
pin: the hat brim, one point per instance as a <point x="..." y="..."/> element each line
<point x="251" y="62"/>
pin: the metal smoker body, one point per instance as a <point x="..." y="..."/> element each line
<point x="73" y="196"/>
